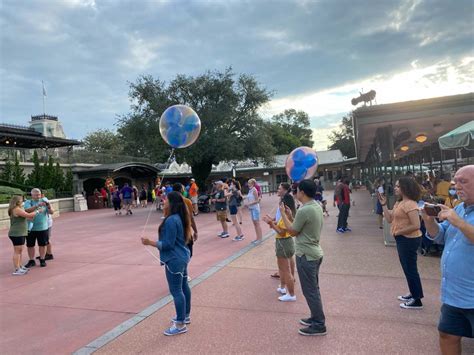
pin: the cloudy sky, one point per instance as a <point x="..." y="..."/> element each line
<point x="314" y="55"/>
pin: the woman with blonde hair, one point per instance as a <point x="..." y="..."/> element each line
<point x="253" y="204"/>
<point x="18" y="231"/>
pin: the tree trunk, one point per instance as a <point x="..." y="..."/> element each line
<point x="201" y="172"/>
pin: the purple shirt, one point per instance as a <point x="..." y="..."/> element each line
<point x="126" y="192"/>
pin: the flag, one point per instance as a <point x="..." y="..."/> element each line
<point x="44" y="89"/>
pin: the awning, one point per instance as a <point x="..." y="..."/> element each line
<point x="461" y="137"/>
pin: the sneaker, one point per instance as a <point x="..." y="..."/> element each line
<point x="256" y="242"/>
<point x="312" y="331"/>
<point x="225" y="235"/>
<point x="287" y="298"/>
<point x="340" y="230"/>
<point x="131" y="212"/>
<point x="281" y="290"/>
<point x="173" y="330"/>
<point x="306" y="321"/>
<point x="19" y="272"/>
<point x="30" y="263"/>
<point x="228" y="220"/>
<point x="219" y="234"/>
<point x="48" y="257"/>
<point x="187" y="320"/>
<point x="24" y="269"/>
<point x="42" y="263"/>
<point x="239" y="238"/>
<point x="405" y="298"/>
<point x="189" y="278"/>
<point x="412" y="304"/>
<point x="347" y="229"/>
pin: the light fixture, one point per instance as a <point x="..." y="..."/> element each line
<point x="421" y="138"/>
<point x="404" y="148"/>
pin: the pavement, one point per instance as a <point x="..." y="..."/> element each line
<point x="104" y="293"/>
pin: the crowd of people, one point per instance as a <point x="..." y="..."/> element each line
<point x="297" y="224"/>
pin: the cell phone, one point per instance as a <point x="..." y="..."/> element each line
<point x="432" y="210"/>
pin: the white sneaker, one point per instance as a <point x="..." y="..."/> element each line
<point x="24" y="269"/>
<point x="287" y="298"/>
<point x="19" y="272"/>
<point x="281" y="290"/>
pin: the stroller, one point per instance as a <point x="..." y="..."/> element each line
<point x="204" y="204"/>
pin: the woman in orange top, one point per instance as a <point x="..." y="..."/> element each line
<point x="405" y="221"/>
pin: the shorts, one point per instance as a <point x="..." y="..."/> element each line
<point x="233" y="210"/>
<point x="17" y="240"/>
<point x="41" y="236"/>
<point x="194" y="200"/>
<point x="456" y="321"/>
<point x="221" y="215"/>
<point x="116" y="205"/>
<point x="255" y="214"/>
<point x="127" y="201"/>
<point x="284" y="247"/>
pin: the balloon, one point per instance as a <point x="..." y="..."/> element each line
<point x="301" y="164"/>
<point x="180" y="126"/>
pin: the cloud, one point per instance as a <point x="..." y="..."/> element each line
<point x="315" y="55"/>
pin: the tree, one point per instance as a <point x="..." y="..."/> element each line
<point x="34" y="178"/>
<point x="7" y="173"/>
<point x="342" y="138"/>
<point x="47" y="175"/>
<point x="58" y="178"/>
<point x="18" y="175"/>
<point x="68" y="181"/>
<point x="231" y="128"/>
<point x="290" y="130"/>
<point x="102" y="141"/>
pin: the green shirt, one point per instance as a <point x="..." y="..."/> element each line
<point x="308" y="223"/>
<point x="18" y="226"/>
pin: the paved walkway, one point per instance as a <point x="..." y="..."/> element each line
<point x="101" y="278"/>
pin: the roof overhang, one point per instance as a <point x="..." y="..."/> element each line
<point x="430" y="117"/>
<point x="25" y="138"/>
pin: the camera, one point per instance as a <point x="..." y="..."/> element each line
<point x="432" y="210"/>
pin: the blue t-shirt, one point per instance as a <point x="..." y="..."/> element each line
<point x="40" y="222"/>
<point x="126" y="192"/>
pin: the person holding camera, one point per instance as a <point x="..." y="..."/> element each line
<point x="405" y="228"/>
<point x="38" y="229"/>
<point x="456" y="232"/>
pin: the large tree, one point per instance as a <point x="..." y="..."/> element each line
<point x="342" y="138"/>
<point x="102" y="141"/>
<point x="227" y="104"/>
<point x="289" y="130"/>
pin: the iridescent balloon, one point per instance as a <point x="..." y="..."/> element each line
<point x="180" y="126"/>
<point x="301" y="164"/>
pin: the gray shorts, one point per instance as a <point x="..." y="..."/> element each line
<point x="284" y="247"/>
<point x="127" y="201"/>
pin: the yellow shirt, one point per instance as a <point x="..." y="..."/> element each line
<point x="451" y="203"/>
<point x="285" y="234"/>
<point x="442" y="189"/>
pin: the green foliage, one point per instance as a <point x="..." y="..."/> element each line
<point x="58" y="178"/>
<point x="289" y="130"/>
<point x="68" y="181"/>
<point x="35" y="177"/>
<point x="7" y="172"/>
<point x="103" y="141"/>
<point x="7" y="192"/>
<point x="18" y="174"/>
<point x="342" y="138"/>
<point x="231" y="128"/>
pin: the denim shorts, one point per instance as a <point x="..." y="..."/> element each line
<point x="233" y="210"/>
<point x="255" y="214"/>
<point x="456" y="321"/>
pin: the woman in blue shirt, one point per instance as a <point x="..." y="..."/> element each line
<point x="173" y="235"/>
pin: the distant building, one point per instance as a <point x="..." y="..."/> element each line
<point x="48" y="126"/>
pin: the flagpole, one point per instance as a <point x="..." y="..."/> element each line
<point x="44" y="111"/>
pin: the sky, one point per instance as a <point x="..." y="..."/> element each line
<point x="314" y="56"/>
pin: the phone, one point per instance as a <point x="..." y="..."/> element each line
<point x="432" y="210"/>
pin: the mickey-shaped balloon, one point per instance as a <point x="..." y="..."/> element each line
<point x="301" y="164"/>
<point x="180" y="126"/>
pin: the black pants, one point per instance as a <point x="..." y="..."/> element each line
<point x="343" y="215"/>
<point x="308" y="273"/>
<point x="407" y="253"/>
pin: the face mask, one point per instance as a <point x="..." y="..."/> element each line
<point x="452" y="192"/>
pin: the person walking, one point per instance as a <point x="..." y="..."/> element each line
<point x="38" y="228"/>
<point x="240" y="199"/>
<point x="127" y="196"/>
<point x="405" y="228"/>
<point x="456" y="232"/>
<point x="379" y="189"/>
<point x="143" y="196"/>
<point x="193" y="195"/>
<point x="253" y="204"/>
<point x="307" y="227"/>
<point x="117" y="201"/>
<point x="234" y="195"/>
<point x="344" y="204"/>
<point x="174" y="234"/>
<point x="18" y="231"/>
<point x="220" y="202"/>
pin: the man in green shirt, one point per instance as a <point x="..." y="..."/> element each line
<point x="307" y="227"/>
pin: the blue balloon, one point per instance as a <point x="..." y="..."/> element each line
<point x="298" y="156"/>
<point x="180" y="126"/>
<point x="309" y="161"/>
<point x="298" y="173"/>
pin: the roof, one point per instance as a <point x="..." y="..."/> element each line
<point x="114" y="167"/>
<point x="14" y="136"/>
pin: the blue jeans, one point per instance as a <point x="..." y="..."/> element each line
<point x="177" y="277"/>
<point x="407" y="253"/>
